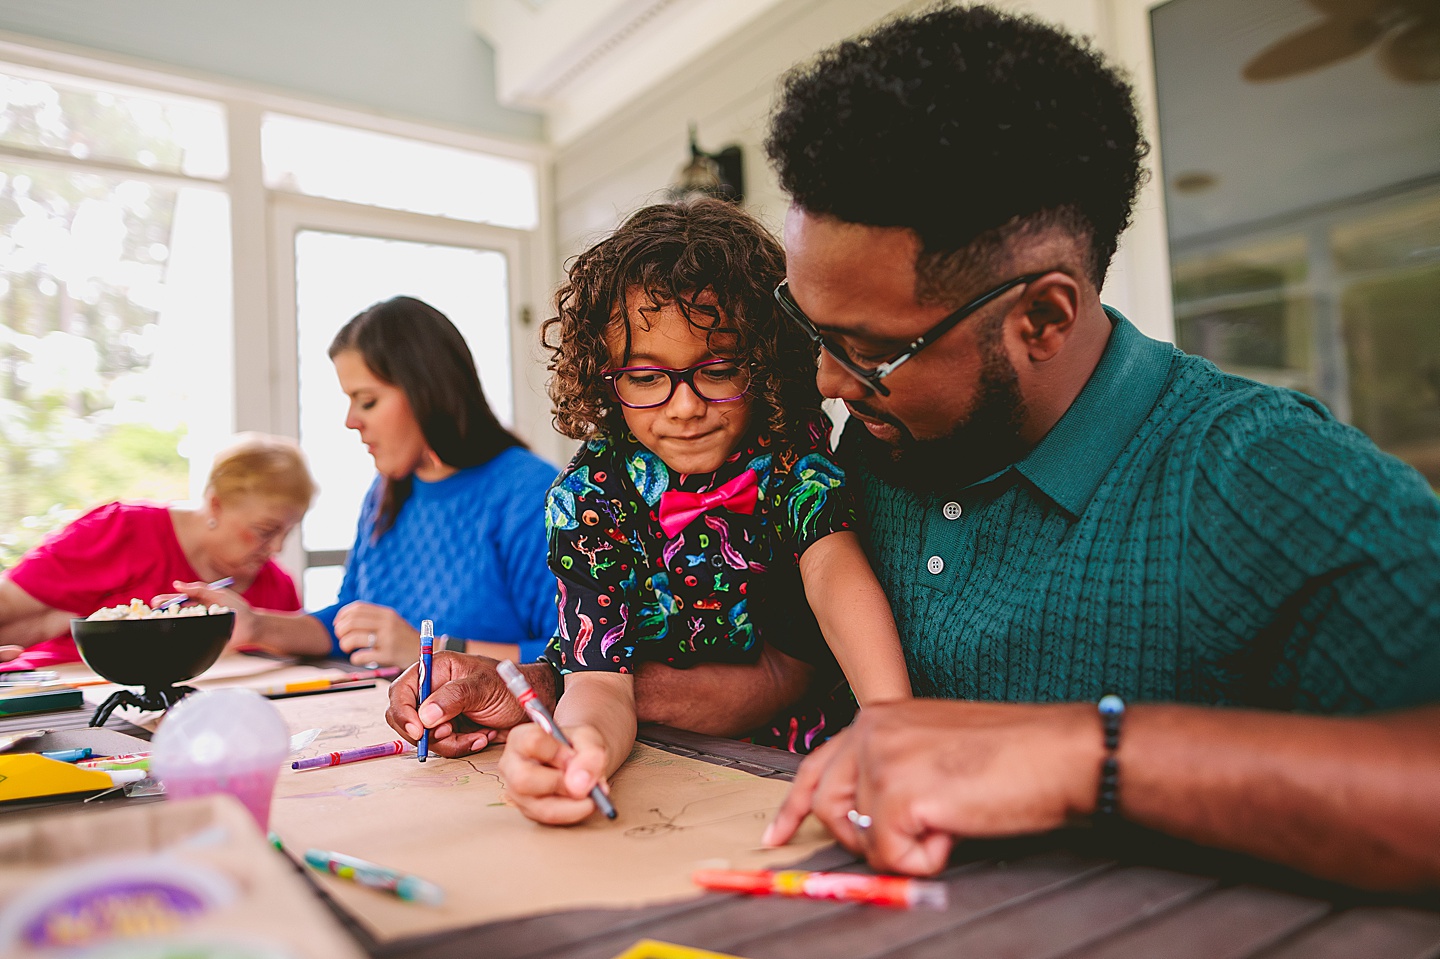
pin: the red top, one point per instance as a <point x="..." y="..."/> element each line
<point x="111" y="555"/>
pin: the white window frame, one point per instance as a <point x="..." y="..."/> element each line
<point x="257" y="330"/>
<point x="263" y="263"/>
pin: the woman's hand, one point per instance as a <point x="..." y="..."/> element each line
<point x="551" y="783"/>
<point x="8" y="653"/>
<point x="247" y="621"/>
<point x="376" y="634"/>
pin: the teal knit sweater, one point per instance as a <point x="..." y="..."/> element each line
<point x="1181" y="534"/>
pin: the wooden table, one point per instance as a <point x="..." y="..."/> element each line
<point x="1080" y="894"/>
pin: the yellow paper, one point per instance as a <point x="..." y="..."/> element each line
<point x="655" y="949"/>
<point x="30" y="775"/>
<point x="446" y="821"/>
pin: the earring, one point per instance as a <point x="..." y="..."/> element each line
<point x="210" y="523"/>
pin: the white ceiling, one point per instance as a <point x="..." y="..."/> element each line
<point x="1282" y="146"/>
<point x="578" y="61"/>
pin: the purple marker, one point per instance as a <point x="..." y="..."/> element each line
<point x="353" y="755"/>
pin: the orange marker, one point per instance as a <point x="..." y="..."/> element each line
<point x="845" y="886"/>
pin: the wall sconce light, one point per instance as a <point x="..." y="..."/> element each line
<point x="720" y="175"/>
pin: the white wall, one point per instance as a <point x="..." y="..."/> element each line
<point x="728" y="92"/>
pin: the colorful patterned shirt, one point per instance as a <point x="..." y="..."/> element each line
<point x="725" y="582"/>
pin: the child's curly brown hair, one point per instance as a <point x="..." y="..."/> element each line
<point x="675" y="253"/>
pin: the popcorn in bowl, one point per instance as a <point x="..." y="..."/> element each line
<point x="140" y="610"/>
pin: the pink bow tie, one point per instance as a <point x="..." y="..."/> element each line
<point x="679" y="509"/>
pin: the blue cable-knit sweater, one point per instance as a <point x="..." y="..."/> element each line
<point x="1181" y="534"/>
<point x="468" y="552"/>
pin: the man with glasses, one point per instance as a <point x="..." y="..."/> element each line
<point x="1068" y="516"/>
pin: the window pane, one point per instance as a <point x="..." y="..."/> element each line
<point x="337" y="276"/>
<point x="358" y="166"/>
<point x="1398" y="239"/>
<point x="1246" y="309"/>
<point x="320" y="586"/>
<point x="115" y="332"/>
<point x="74" y="119"/>
<point x="1391" y="321"/>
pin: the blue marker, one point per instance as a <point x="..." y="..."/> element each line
<point x="427" y="656"/>
<point x="69" y="755"/>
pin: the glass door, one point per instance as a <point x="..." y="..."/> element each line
<point x="343" y="262"/>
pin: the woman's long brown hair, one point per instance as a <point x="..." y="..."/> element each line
<point x="411" y="345"/>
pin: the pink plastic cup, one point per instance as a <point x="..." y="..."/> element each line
<point x="222" y="741"/>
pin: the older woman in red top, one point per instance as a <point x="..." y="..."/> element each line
<point x="258" y="490"/>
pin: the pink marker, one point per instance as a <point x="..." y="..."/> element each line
<point x="353" y="755"/>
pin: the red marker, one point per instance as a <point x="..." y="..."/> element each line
<point x="845" y="886"/>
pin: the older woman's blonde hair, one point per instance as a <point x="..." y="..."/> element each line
<point x="264" y="465"/>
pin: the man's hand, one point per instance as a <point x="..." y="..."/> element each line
<point x="927" y="771"/>
<point x="376" y="634"/>
<point x="551" y="783"/>
<point x="469" y="706"/>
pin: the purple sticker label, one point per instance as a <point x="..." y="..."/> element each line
<point x="121" y="908"/>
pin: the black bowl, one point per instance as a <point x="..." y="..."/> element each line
<point x="153" y="653"/>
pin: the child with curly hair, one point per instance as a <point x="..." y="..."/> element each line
<point x="704" y="507"/>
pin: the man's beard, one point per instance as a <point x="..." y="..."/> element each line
<point x="984" y="442"/>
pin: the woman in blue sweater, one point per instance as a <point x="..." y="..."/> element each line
<point x="453" y="529"/>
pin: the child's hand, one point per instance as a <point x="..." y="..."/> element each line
<point x="550" y="783"/>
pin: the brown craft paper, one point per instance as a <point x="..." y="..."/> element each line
<point x="274" y="907"/>
<point x="446" y="821"/>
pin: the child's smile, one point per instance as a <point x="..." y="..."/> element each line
<point x="691" y="434"/>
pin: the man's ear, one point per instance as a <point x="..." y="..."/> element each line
<point x="1048" y="312"/>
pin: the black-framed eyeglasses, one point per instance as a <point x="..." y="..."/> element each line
<point x="645" y="387"/>
<point x="871" y="376"/>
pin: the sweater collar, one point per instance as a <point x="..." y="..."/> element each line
<point x="1071" y="462"/>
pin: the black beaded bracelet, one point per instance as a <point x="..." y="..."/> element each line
<point x="1112" y="711"/>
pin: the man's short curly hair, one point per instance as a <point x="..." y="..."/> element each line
<point x="714" y="261"/>
<point x="970" y="127"/>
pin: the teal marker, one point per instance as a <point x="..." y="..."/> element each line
<point x="409" y="888"/>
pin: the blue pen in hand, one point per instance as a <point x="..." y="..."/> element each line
<point x="427" y="657"/>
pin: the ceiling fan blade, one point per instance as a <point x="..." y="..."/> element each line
<point x="1312" y="48"/>
<point x="1413" y="54"/>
